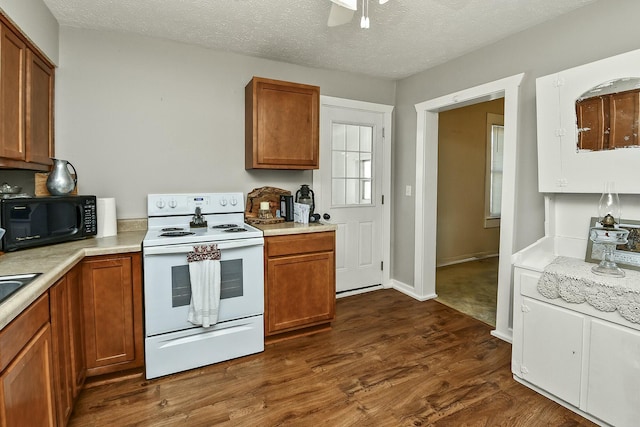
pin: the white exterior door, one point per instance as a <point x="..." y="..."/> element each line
<point x="349" y="192"/>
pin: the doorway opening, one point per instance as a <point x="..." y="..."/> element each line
<point x="470" y="149"/>
<point x="427" y="190"/>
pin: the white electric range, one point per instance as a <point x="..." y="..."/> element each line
<point x="176" y="223"/>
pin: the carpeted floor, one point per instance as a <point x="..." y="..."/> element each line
<point x="470" y="287"/>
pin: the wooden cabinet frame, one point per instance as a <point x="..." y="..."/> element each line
<point x="26" y="369"/>
<point x="300" y="284"/>
<point x="112" y="295"/>
<point x="282" y="125"/>
<point x="26" y="102"/>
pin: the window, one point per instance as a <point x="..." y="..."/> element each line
<point x="351" y="174"/>
<point x="493" y="179"/>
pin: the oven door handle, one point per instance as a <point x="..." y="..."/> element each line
<point x="183" y="249"/>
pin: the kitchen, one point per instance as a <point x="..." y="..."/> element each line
<point x="202" y="110"/>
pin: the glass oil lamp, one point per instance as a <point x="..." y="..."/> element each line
<point x="608" y="233"/>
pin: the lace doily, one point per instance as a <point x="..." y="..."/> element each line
<point x="572" y="280"/>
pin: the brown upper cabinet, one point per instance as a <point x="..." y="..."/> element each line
<point x="26" y="103"/>
<point x="608" y="121"/>
<point x="281" y="125"/>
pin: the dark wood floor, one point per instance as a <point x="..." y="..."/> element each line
<point x="389" y="361"/>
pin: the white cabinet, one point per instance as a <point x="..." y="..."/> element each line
<point x="613" y="389"/>
<point x="562" y="167"/>
<point x="586" y="359"/>
<point x="552" y="355"/>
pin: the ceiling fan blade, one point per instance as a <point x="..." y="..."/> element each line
<point x="349" y="4"/>
<point x="339" y="15"/>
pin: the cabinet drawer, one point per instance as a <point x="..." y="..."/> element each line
<point x="529" y="284"/>
<point x="16" y="334"/>
<point x="296" y="244"/>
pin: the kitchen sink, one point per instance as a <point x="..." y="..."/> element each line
<point x="11" y="284"/>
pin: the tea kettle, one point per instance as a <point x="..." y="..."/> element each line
<point x="60" y="182"/>
<point x="305" y="195"/>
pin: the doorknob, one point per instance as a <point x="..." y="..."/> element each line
<point x="326" y="216"/>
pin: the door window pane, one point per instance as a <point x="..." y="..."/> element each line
<point x="352" y="164"/>
<point x="338" y="191"/>
<point x="353" y="192"/>
<point x="339" y="136"/>
<point x="338" y="164"/>
<point x="366" y="138"/>
<point x="353" y="137"/>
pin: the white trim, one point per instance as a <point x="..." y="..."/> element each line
<point x="359" y="291"/>
<point x="410" y="291"/>
<point x="427" y="187"/>
<point x="386" y="110"/>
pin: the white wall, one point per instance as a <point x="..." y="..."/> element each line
<point x="137" y="115"/>
<point x="36" y="21"/>
<point x="565" y="42"/>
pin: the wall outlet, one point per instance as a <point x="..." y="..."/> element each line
<point x="407" y="190"/>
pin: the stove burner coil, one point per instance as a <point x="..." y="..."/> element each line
<point x="172" y="229"/>
<point x="176" y="233"/>
<point x="235" y="230"/>
<point x="227" y="226"/>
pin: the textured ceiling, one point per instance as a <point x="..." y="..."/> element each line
<point x="406" y="36"/>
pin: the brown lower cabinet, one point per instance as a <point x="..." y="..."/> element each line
<point x="61" y="346"/>
<point x="67" y="342"/>
<point x="26" y="369"/>
<point x="112" y="304"/>
<point x="300" y="284"/>
<point x="76" y="329"/>
<point x="88" y="324"/>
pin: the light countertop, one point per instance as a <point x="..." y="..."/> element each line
<point x="285" y="228"/>
<point x="54" y="261"/>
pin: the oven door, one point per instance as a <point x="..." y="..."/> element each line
<point x="167" y="286"/>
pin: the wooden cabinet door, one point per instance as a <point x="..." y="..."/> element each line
<point x="552" y="349"/>
<point x="67" y="342"/>
<point x="112" y="295"/>
<point x="26" y="395"/>
<point x="76" y="329"/>
<point x="625" y="114"/>
<point x="61" y="346"/>
<point x="300" y="291"/>
<point x="592" y="117"/>
<point x="39" y="107"/>
<point x="12" y="85"/>
<point x="281" y="125"/>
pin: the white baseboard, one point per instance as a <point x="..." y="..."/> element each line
<point x="410" y="291"/>
<point x="508" y="337"/>
<point x="359" y="291"/>
<point x="460" y="261"/>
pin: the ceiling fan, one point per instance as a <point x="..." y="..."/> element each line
<point x="342" y="12"/>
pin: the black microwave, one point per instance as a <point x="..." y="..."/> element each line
<point x="37" y="221"/>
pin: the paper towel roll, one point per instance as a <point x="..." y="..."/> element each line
<point x="106" y="212"/>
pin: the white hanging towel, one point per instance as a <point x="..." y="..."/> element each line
<point x="204" y="272"/>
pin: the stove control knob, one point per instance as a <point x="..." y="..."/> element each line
<point x="173" y="203"/>
<point x="160" y="204"/>
<point x="223" y="202"/>
<point x="234" y="201"/>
